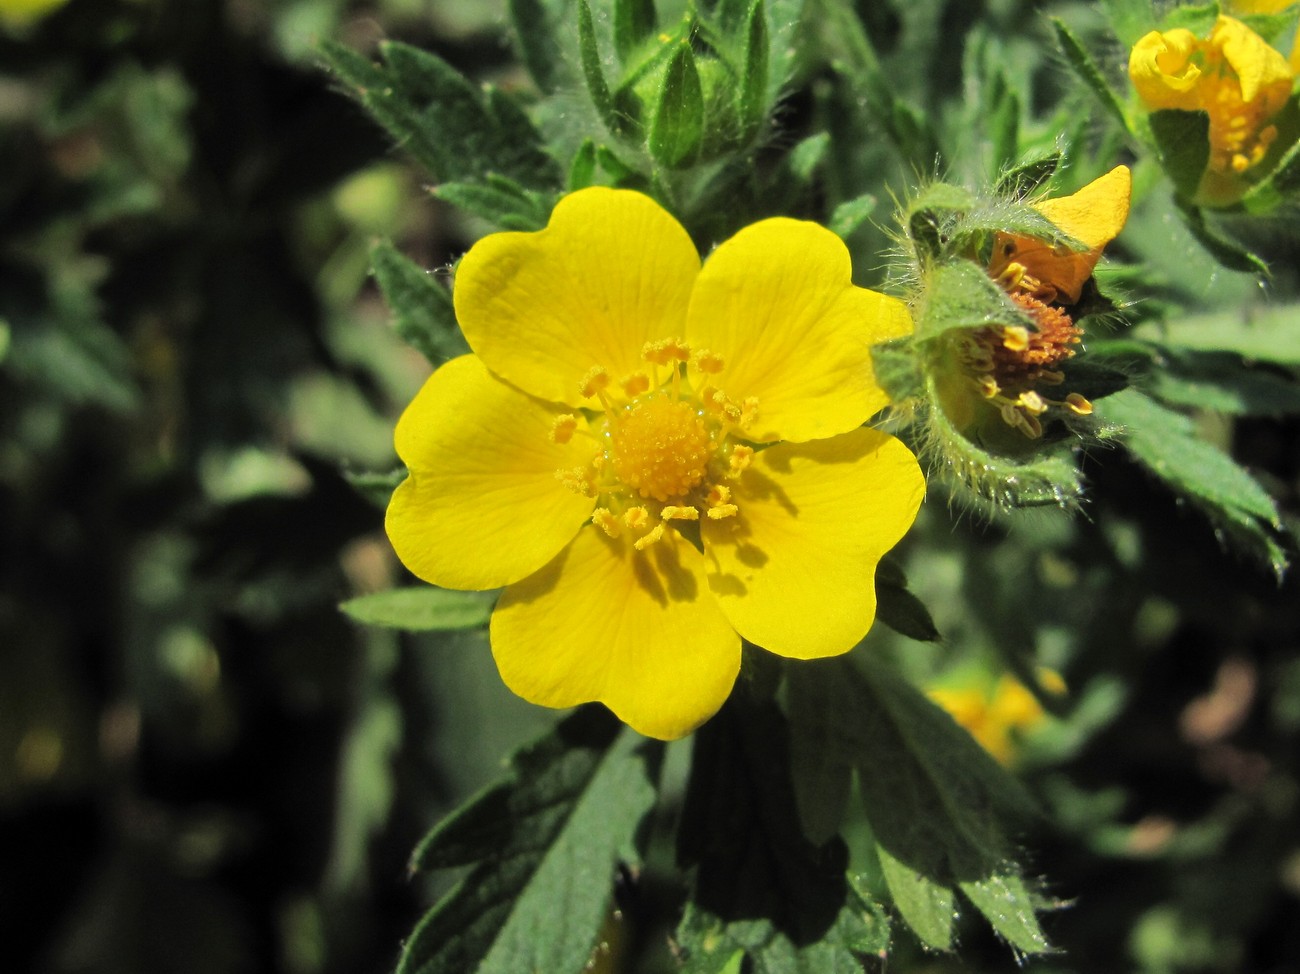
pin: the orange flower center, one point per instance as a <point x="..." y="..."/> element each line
<point x="660" y="447"/>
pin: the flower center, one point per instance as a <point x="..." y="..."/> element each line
<point x="665" y="450"/>
<point x="660" y="447"/>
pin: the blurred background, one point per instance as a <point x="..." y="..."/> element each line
<point x="206" y="767"/>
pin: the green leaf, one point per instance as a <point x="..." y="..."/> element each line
<point x="594" y="73"/>
<point x="582" y="171"/>
<point x="1183" y="143"/>
<point x="1029" y="173"/>
<point x="759" y="883"/>
<point x="678" y="122"/>
<point x="500" y="201"/>
<point x="634" y="21"/>
<point x="961" y="295"/>
<point x="1088" y="72"/>
<point x="1227" y="252"/>
<point x="421" y="608"/>
<point x="938" y="804"/>
<point x="925" y="904"/>
<point x="1129" y="19"/>
<point x="424" y="316"/>
<point x="452" y="128"/>
<point x="898" y="608"/>
<point x="1281" y="184"/>
<point x="542" y="846"/>
<point x="1198" y="18"/>
<point x="753" y="75"/>
<point x="852" y="214"/>
<point x="1165" y="443"/>
<point x="1263" y="333"/>
<point x="1222" y="381"/>
<point x="539" y="48"/>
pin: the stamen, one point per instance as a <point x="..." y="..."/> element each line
<point x="666" y="350"/>
<point x="706" y="363"/>
<point x="635" y="384"/>
<point x="1033" y="402"/>
<point x="673" y="512"/>
<point x="649" y="538"/>
<point x="1015" y="337"/>
<point x="604" y="519"/>
<point x="739" y="460"/>
<point x="723" y="510"/>
<point x="594" y="382"/>
<point x="1078" y="405"/>
<point x="562" y="428"/>
<point x="636" y="518"/>
<point x="577" y="480"/>
<point x="748" y="412"/>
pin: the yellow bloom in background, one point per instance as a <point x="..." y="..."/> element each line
<point x="997" y="715"/>
<point x="1009" y="367"/>
<point x="1269" y="7"/>
<point x="656" y="458"/>
<point x="1233" y="75"/>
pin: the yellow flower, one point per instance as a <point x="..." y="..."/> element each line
<point x="1269" y="7"/>
<point x="1010" y="367"/>
<point x="1233" y="76"/>
<point x="998" y="715"/>
<point x="656" y="458"/>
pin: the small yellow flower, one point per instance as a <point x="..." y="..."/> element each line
<point x="656" y="458"/>
<point x="1234" y="76"/>
<point x="1009" y="367"/>
<point x="997" y="716"/>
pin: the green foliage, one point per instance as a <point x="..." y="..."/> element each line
<point x="1166" y="444"/>
<point x="422" y="310"/>
<point x="542" y="845"/>
<point x="421" y="609"/>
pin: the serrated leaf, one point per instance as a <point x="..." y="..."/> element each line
<point x="1088" y="72"/>
<point x="634" y="22"/>
<point x="925" y="904"/>
<point x="1165" y="443"/>
<point x="500" y="201"/>
<point x="1183" y="143"/>
<point x="759" y="883"/>
<point x="678" y="123"/>
<point x="1007" y="905"/>
<point x="449" y="125"/>
<point x="542" y="845"/>
<point x="421" y="608"/>
<point x="424" y="316"/>
<point x="937" y="803"/>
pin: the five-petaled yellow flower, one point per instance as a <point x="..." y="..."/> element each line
<point x="656" y="458"/>
<point x="1233" y="75"/>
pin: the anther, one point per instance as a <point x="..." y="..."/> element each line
<point x="604" y="519"/>
<point x="1033" y="402"/>
<point x="635" y="384"/>
<point x="675" y="512"/>
<point x="1078" y="405"/>
<point x="562" y="428"/>
<point x="636" y="518"/>
<point x="666" y="350"/>
<point x="594" y="382"/>
<point x="706" y="363"/>
<point x="1015" y="337"/>
<point x="649" y="538"/>
<point x="748" y="411"/>
<point x="739" y="460"/>
<point x="722" y="511"/>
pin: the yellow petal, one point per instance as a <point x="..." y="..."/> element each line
<point x="481" y="507"/>
<point x="776" y="303"/>
<point x="1093" y="216"/>
<point x="611" y="271"/>
<point x="794" y="571"/>
<point x="636" y="630"/>
<point x="1162" y="70"/>
<point x="1264" y="73"/>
